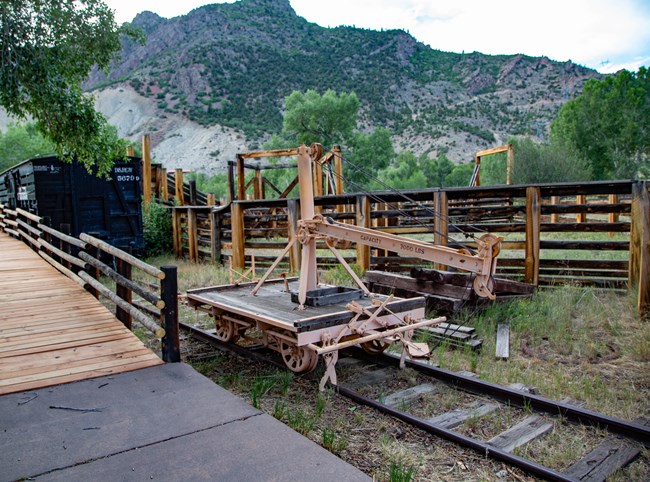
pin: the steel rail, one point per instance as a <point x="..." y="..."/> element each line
<point x="512" y="396"/>
<point x="481" y="447"/>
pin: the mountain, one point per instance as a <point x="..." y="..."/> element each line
<point x="212" y="83"/>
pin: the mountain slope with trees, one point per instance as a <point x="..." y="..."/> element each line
<point x="230" y="66"/>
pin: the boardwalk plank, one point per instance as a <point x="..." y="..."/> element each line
<point x="52" y="331"/>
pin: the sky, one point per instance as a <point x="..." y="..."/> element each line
<point x="606" y="35"/>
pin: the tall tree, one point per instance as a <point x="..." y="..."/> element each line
<point x="22" y="142"/>
<point x="329" y="118"/>
<point x="48" y="48"/>
<point x="609" y="125"/>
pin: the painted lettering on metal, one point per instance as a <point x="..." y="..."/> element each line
<point x="370" y="239"/>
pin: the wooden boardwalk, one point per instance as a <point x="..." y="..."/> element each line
<point x="52" y="331"/>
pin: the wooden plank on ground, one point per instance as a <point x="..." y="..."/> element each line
<point x="408" y="396"/>
<point x="457" y="417"/>
<point x="524" y="432"/>
<point x="503" y="341"/>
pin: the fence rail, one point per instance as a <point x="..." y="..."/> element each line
<point x="553" y="232"/>
<point x="83" y="259"/>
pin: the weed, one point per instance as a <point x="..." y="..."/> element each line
<point x="321" y="403"/>
<point x="399" y="472"/>
<point x="332" y="442"/>
<point x="261" y="386"/>
<point x="285" y="378"/>
<point x="301" y="421"/>
<point x="279" y="409"/>
<point x="207" y="366"/>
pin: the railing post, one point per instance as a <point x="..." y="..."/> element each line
<point x="63" y="246"/>
<point x="639" y="267"/>
<point x="123" y="268"/>
<point x="533" y="222"/>
<point x="238" y="236"/>
<point x="92" y="271"/>
<point x="363" y="220"/>
<point x="171" y="350"/>
<point x="440" y="222"/>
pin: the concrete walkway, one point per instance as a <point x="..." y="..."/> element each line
<point x="166" y="423"/>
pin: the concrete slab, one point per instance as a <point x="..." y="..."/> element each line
<point x="154" y="410"/>
<point x="258" y="448"/>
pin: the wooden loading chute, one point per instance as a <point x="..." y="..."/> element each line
<point x="328" y="319"/>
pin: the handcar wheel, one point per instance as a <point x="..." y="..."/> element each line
<point x="298" y="359"/>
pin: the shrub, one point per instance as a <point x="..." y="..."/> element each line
<point x="158" y="236"/>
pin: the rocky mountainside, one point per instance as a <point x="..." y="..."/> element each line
<point x="212" y="83"/>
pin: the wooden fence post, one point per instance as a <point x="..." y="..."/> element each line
<point x="639" y="268"/>
<point x="146" y="170"/>
<point x="192" y="236"/>
<point x="178" y="187"/>
<point x="533" y="222"/>
<point x="193" y="201"/>
<point x="440" y="223"/>
<point x="241" y="179"/>
<point x="215" y="236"/>
<point x="238" y="236"/>
<point x="581" y="217"/>
<point x="612" y="217"/>
<point x="555" y="217"/>
<point x="293" y="210"/>
<point x="363" y="220"/>
<point x="164" y="188"/>
<point x="171" y="351"/>
<point x="177" y="231"/>
<point x="123" y="268"/>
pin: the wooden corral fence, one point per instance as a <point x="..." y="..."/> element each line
<point x="153" y="302"/>
<point x="548" y="229"/>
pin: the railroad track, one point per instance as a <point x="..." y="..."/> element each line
<point x="535" y="415"/>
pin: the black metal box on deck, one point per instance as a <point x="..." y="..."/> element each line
<point x="69" y="194"/>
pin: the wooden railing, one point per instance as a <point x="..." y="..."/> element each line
<point x="83" y="259"/>
<point x="554" y="233"/>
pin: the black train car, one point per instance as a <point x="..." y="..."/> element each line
<point x="68" y="194"/>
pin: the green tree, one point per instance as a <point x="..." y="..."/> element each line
<point x="48" y="49"/>
<point x="548" y="162"/>
<point x="329" y="118"/>
<point x="609" y="125"/>
<point x="436" y="170"/>
<point x="368" y="155"/>
<point x="405" y="173"/>
<point x="22" y="142"/>
<point x="460" y="175"/>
